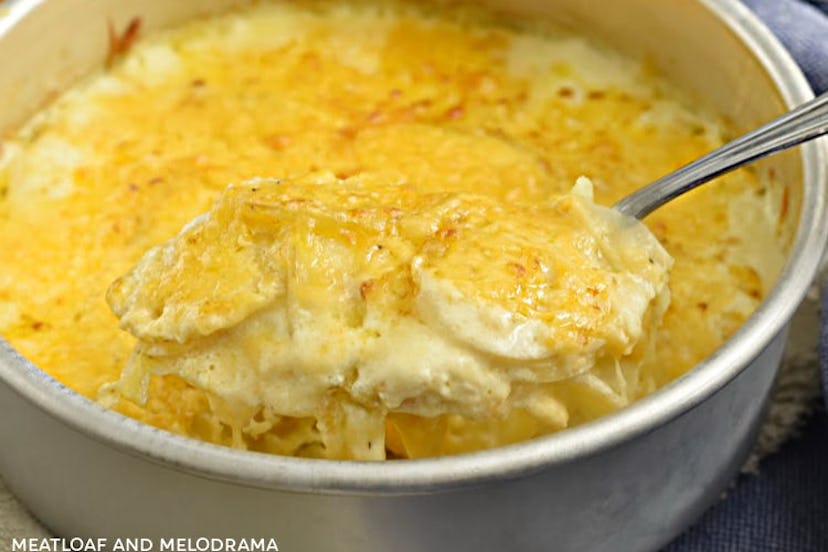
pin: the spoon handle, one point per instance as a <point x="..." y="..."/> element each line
<point x="808" y="121"/>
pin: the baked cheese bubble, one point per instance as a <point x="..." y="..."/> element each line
<point x="346" y="310"/>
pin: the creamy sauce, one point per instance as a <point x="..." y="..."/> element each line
<point x="350" y="301"/>
<point x="448" y="102"/>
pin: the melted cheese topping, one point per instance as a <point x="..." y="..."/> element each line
<point x="353" y="296"/>
<point x="433" y="101"/>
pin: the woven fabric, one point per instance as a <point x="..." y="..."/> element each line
<point x="803" y="28"/>
<point x="783" y="509"/>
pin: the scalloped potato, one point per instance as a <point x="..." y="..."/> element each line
<point x="350" y="301"/>
<point x="415" y="276"/>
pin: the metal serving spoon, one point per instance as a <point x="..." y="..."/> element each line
<point x="806" y="122"/>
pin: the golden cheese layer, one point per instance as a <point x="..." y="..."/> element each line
<point x="351" y="299"/>
<point x="430" y="100"/>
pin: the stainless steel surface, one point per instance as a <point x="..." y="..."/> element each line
<point x="806" y="122"/>
<point x="630" y="481"/>
<point x="630" y="497"/>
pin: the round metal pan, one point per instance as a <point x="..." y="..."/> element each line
<point x="630" y="481"/>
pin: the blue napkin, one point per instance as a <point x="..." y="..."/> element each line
<point x="803" y="29"/>
<point x="785" y="508"/>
